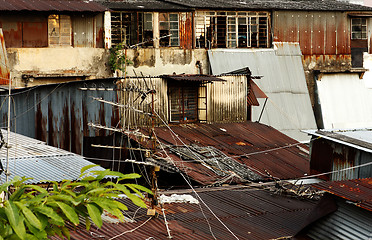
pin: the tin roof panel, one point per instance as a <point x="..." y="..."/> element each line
<point x="51" y="5"/>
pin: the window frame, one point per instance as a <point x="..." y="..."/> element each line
<point x="359" y="30"/>
<point x="212" y="27"/>
<point x="64" y="25"/>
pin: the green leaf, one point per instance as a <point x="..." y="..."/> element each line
<point x="130" y="176"/>
<point x="34" y="221"/>
<point x="95" y="213"/>
<point x="136" y="200"/>
<point x="37" y="188"/>
<point x="66" y="232"/>
<point x="17" y="194"/>
<point x="134" y="190"/>
<point x="87" y="223"/>
<point x="40" y="234"/>
<point x="139" y="187"/>
<point x="61" y="197"/>
<point x="69" y="212"/>
<point x="49" y="212"/>
<point x="31" y="237"/>
<point x="14" y="218"/>
<point x="87" y="167"/>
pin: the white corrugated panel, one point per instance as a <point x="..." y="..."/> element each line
<point x="283" y="80"/>
<point x="348" y="222"/>
<point x="345" y="101"/>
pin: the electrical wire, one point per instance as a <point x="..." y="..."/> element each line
<point x="132" y="230"/>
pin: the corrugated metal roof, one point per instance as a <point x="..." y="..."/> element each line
<point x="127" y="5"/>
<point x="345" y="101"/>
<point x="193" y="77"/>
<point x="249" y="213"/>
<point x="317" y="5"/>
<point x="357" y="138"/>
<point x="33" y="158"/>
<point x="249" y="146"/>
<point x="358" y="191"/>
<point x="288" y="108"/>
<point x="51" y="5"/>
<point x="348" y="222"/>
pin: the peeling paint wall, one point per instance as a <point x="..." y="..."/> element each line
<point x="57" y="62"/>
<point x="157" y="61"/>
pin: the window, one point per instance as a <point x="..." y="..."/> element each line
<point x="59" y="30"/>
<point x="169" y="29"/>
<point x="358" y="28"/>
<point x="131" y="28"/>
<point x="183" y="102"/>
<point x="232" y="29"/>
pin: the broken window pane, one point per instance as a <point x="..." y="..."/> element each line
<point x="232" y="29"/>
<point x="131" y="28"/>
<point x="169" y="29"/>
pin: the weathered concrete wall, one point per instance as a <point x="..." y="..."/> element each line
<point x="57" y="62"/>
<point x="157" y="61"/>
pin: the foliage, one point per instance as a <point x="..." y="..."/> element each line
<point x="32" y="212"/>
<point x="118" y="60"/>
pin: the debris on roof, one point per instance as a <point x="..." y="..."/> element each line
<point x="229" y="153"/>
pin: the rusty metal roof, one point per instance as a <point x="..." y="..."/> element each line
<point x="51" y="5"/>
<point x="193" y="77"/>
<point x="249" y="213"/>
<point x="307" y="5"/>
<point x="143" y="5"/>
<point x="250" y="148"/>
<point x="359" y="191"/>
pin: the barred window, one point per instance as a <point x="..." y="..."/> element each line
<point x="358" y="28"/>
<point x="169" y="29"/>
<point x="131" y="28"/>
<point x="231" y="29"/>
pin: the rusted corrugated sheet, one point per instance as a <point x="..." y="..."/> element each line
<point x="246" y="213"/>
<point x="4" y="70"/>
<point x="359" y="191"/>
<point x="261" y="148"/>
<point x="48" y="5"/>
<point x="317" y="32"/>
<point x="186" y="30"/>
<point x="227" y="101"/>
<point x="59" y="114"/>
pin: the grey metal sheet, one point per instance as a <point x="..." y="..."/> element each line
<point x="348" y="222"/>
<point x="288" y="108"/>
<point x="48" y="168"/>
<point x="345" y="101"/>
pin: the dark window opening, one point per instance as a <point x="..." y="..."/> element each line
<point x="183" y="102"/>
<point x="131" y="28"/>
<point x="359" y="41"/>
<point x="231" y="29"/>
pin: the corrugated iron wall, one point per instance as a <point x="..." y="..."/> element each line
<point x="319" y="33"/>
<point x="227" y="101"/>
<point x="59" y="114"/>
<point x="31" y="30"/>
<point x="4" y="70"/>
<point x="134" y="94"/>
<point x="328" y="156"/>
